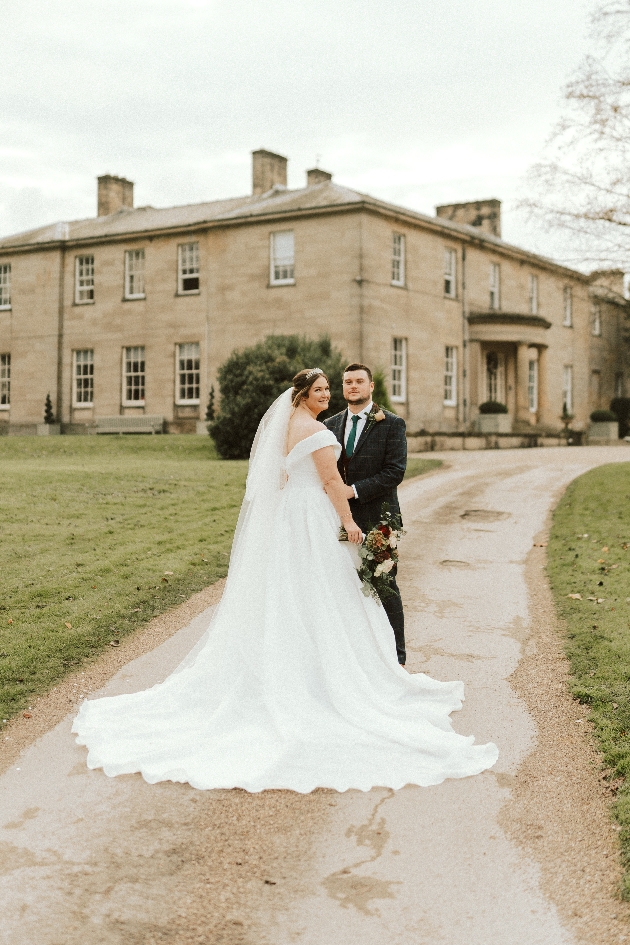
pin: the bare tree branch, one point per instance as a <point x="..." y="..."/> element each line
<point x="582" y="183"/>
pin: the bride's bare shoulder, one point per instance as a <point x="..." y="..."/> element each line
<point x="300" y="428"/>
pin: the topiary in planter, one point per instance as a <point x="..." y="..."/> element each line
<point x="49" y="416"/>
<point x="603" y="416"/>
<point x="620" y="406"/>
<point x="492" y="406"/>
<point x="210" y="411"/>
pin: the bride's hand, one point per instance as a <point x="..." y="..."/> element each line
<point x="355" y="535"/>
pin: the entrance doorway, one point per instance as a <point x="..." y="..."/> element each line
<point x="495" y="376"/>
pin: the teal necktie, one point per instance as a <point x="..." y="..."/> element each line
<point x="352" y="437"/>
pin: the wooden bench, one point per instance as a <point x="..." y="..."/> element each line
<point x="138" y="424"/>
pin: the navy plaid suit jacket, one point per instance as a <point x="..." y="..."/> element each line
<point x="376" y="467"/>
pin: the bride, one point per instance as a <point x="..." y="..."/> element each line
<point x="296" y="683"/>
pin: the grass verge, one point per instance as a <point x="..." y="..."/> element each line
<point x="417" y="467"/>
<point x="589" y="556"/>
<point x="99" y="535"/>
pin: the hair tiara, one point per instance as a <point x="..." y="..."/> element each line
<point x="311" y="374"/>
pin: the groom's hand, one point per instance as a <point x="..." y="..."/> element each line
<point x="350" y="492"/>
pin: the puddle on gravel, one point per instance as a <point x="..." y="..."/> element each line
<point x="484" y="515"/>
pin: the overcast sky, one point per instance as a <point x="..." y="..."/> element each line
<point x="418" y="102"/>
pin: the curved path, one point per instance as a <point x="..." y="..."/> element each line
<point x="85" y="859"/>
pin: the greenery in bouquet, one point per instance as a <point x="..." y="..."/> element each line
<point x="378" y="555"/>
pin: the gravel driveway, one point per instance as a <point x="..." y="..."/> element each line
<point x="521" y="855"/>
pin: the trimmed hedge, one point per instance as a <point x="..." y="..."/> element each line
<point x="492" y="406"/>
<point x="603" y="416"/>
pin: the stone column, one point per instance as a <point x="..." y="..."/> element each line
<point x="475" y="378"/>
<point x="522" y="375"/>
<point x="544" y="408"/>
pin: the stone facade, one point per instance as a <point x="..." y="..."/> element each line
<point x="160" y="298"/>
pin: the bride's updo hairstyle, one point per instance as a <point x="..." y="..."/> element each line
<point x="302" y="383"/>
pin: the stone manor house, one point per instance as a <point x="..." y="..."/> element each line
<point x="130" y="314"/>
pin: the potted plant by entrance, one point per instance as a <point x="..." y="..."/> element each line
<point x="604" y="427"/>
<point x="48" y="427"/>
<point x="493" y="418"/>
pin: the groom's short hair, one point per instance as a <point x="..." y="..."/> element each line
<point x="359" y="367"/>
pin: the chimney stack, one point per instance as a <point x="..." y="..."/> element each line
<point x="486" y="214"/>
<point x="268" y="170"/>
<point x="114" y="193"/>
<point x="317" y="176"/>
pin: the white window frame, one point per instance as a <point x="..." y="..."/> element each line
<point x="450" y="273"/>
<point x="567" y="388"/>
<point x="596" y="323"/>
<point x="188" y="351"/>
<point x="82" y="358"/>
<point x="5" y="381"/>
<point x="533" y="294"/>
<point x="450" y="376"/>
<point x="134" y="354"/>
<point x="188" y="267"/>
<point x="532" y="381"/>
<point x="398" y="259"/>
<point x="567" y="303"/>
<point x="282" y="258"/>
<point x="84" y="280"/>
<point x="5" y="286"/>
<point x="495" y="286"/>
<point x="134" y="274"/>
<point x="399" y="370"/>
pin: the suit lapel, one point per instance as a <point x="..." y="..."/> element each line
<point x="341" y="426"/>
<point x="365" y="432"/>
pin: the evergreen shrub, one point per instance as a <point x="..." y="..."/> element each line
<point x="380" y="395"/>
<point x="250" y="380"/>
<point x="620" y="406"/>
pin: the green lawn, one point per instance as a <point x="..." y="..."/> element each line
<point x="589" y="555"/>
<point x="91" y="529"/>
<point x="417" y="467"/>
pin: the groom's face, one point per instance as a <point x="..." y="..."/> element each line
<point x="357" y="388"/>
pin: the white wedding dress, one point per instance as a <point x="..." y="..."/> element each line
<point x="296" y="683"/>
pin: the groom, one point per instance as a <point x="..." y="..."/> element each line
<point x="372" y="464"/>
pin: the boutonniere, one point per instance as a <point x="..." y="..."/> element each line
<point x="375" y="415"/>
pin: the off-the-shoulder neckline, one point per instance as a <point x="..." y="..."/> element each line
<point x="309" y="437"/>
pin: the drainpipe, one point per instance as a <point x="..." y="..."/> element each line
<point x="359" y="280"/>
<point x="62" y="234"/>
<point x="464" y="342"/>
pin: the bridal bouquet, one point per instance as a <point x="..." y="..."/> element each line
<point x="378" y="554"/>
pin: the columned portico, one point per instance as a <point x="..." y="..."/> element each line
<point x="511" y="363"/>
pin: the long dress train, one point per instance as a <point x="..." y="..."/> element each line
<point x="297" y="683"/>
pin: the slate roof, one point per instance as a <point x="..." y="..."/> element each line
<point x="276" y="202"/>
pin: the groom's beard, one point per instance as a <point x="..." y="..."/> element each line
<point x="358" y="401"/>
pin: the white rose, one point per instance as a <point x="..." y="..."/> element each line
<point x="393" y="541"/>
<point x="378" y="570"/>
<point x="386" y="566"/>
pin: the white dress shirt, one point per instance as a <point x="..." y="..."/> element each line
<point x="363" y="415"/>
